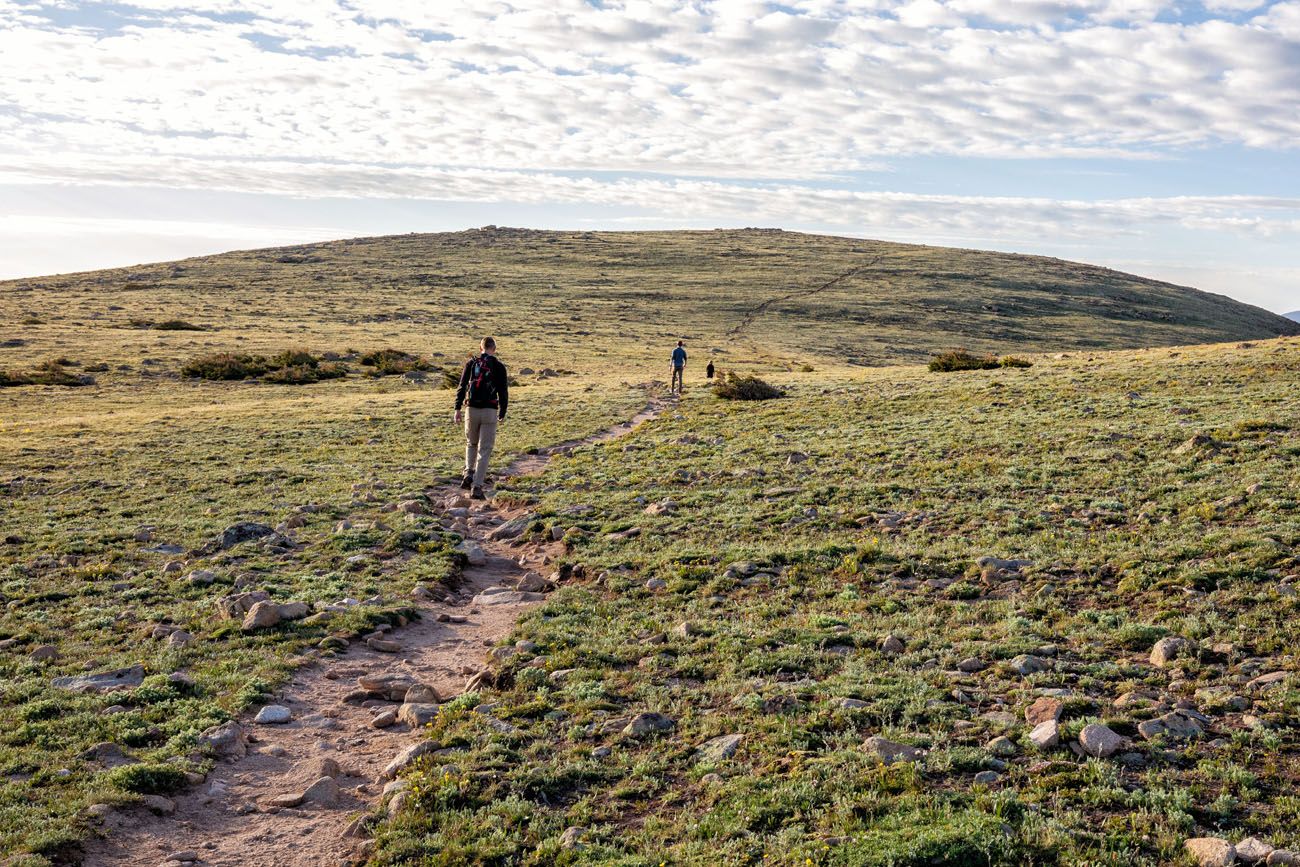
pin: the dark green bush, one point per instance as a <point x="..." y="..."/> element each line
<point x="1015" y="361"/>
<point x="148" y="779"/>
<point x="177" y="325"/>
<point x="292" y="358"/>
<point x="390" y="362"/>
<point x="47" y="373"/>
<point x="960" y="359"/>
<point x="225" y="366"/>
<point x="733" y="386"/>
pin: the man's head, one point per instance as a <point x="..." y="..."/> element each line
<point x="681" y="343"/>
<point x="488" y="345"/>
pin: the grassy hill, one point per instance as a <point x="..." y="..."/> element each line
<point x="594" y="298"/>
<point x="864" y="502"/>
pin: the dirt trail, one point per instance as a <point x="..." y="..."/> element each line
<point x="760" y="309"/>
<point x="225" y="820"/>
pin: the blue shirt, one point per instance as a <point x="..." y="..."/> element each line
<point x="679" y="357"/>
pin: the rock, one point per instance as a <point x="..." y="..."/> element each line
<point x="970" y="665"/>
<point x="532" y="582"/>
<point x="1264" y="681"/>
<point x="183" y="855"/>
<point x="1283" y="857"/>
<point x="406" y="758"/>
<point x="572" y="838"/>
<point x="656" y="584"/>
<point x="201" y="577"/>
<point x="325" y="791"/>
<point x="237" y="605"/>
<point x="508" y="597"/>
<point x="987" y="778"/>
<point x="108" y="754"/>
<point x="273" y="714"/>
<point x="795" y="458"/>
<point x="1002" y="747"/>
<point x="422" y="693"/>
<point x="180" y="638"/>
<point x="663" y="507"/>
<point x="388" y="686"/>
<point x="511" y="529"/>
<point x="1253" y="850"/>
<point x="262" y="615"/>
<point x="719" y="748"/>
<point x="412" y="507"/>
<point x="384" y="719"/>
<point x="1175" y="724"/>
<point x="383" y="645"/>
<point x="44" y="653"/>
<point x="1197" y="443"/>
<point x="99" y="812"/>
<point x="1100" y="741"/>
<point x="850" y="703"/>
<point x="1025" y="665"/>
<point x="1043" y="709"/>
<point x="1166" y="650"/>
<point x="624" y="535"/>
<point x="1046" y="734"/>
<point x="294" y="610"/>
<point x="892" y="645"/>
<point x="175" y="567"/>
<point x="648" y="723"/>
<point x="1211" y="851"/>
<point x="997" y="564"/>
<point x="890" y="752"/>
<point x="227" y="740"/>
<point x="474" y="555"/>
<point x="237" y="534"/>
<point x="104" y="681"/>
<point x="417" y="715"/>
<point x="158" y="804"/>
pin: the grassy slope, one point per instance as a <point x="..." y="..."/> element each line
<point x="82" y="469"/>
<point x="911" y="477"/>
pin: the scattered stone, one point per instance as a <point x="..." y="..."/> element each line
<point x="44" y="653"/>
<point x="384" y="719"/>
<point x="417" y="715"/>
<point x="1211" y="851"/>
<point x="1025" y="665"/>
<point x="971" y="665"/>
<point x="997" y="564"/>
<point x="719" y="748"/>
<point x="892" y="645"/>
<point x="1253" y="850"/>
<point x="1002" y="747"/>
<point x="1046" y="734"/>
<point x="236" y="605"/>
<point x="648" y="723"/>
<point x="474" y="555"/>
<point x="1198" y="442"/>
<point x="1264" y="681"/>
<point x="1166" y="650"/>
<point x="158" y="804"/>
<point x="511" y="529"/>
<point x="572" y="838"/>
<point x="178" y="639"/>
<point x="1043" y="709"/>
<point x="273" y="714"/>
<point x="227" y="740"/>
<point x="108" y="754"/>
<point x="383" y="645"/>
<point x="294" y="610"/>
<point x="104" y="681"/>
<point x="389" y="686"/>
<point x="663" y="507"/>
<point x="890" y="752"/>
<point x="406" y="758"/>
<point x="656" y="584"/>
<point x="850" y="703"/>
<point x="422" y="693"/>
<point x="507" y="597"/>
<point x="412" y="507"/>
<point x="1283" y="857"/>
<point x="1100" y="741"/>
<point x="201" y="577"/>
<point x="987" y="778"/>
<point x="183" y="855"/>
<point x="1177" y="724"/>
<point x="237" y="534"/>
<point x="532" y="582"/>
<point x="325" y="791"/>
<point x="262" y="615"/>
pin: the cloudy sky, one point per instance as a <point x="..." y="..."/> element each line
<point x="1158" y="137"/>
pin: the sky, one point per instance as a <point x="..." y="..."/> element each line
<point x="1156" y="137"/>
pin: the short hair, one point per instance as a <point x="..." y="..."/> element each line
<point x="488" y="343"/>
<point x="679" y="343"/>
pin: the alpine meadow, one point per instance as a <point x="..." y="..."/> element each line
<point x="960" y="558"/>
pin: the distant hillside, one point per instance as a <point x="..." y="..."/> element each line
<point x="1294" y="315"/>
<point x="566" y="298"/>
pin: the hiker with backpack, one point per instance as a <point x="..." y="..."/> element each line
<point x="485" y="387"/>
<point x="679" y="367"/>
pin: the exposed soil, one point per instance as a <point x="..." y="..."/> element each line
<point x="226" y="820"/>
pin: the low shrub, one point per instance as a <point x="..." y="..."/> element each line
<point x="305" y="374"/>
<point x="176" y="325"/>
<point x="47" y="373"/>
<point x="292" y="358"/>
<point x="149" y="779"/>
<point x="733" y="386"/>
<point x="391" y="362"/>
<point x="960" y="359"/>
<point x="1015" y="361"/>
<point x="224" y="366"/>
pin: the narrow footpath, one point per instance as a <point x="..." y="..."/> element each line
<point x="231" y="818"/>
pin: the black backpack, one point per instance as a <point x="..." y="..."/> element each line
<point x="482" y="385"/>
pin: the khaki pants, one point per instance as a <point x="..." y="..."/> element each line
<point x="480" y="437"/>
<point x="677" y="379"/>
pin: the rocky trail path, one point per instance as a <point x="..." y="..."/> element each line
<point x="293" y="794"/>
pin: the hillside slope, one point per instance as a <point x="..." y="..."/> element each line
<point x="753" y="295"/>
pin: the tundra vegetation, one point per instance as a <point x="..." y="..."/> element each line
<point x="846" y="615"/>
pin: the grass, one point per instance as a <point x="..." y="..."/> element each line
<point x="1073" y="465"/>
<point x="1087" y="464"/>
<point x="733" y="386"/>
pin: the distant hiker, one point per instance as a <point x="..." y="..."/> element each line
<point x="484" y="386"/>
<point x="679" y="367"/>
<point x="708" y="371"/>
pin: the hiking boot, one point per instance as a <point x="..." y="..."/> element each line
<point x="467" y="482"/>
<point x="477" y="493"/>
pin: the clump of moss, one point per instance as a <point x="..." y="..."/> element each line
<point x="733" y="386"/>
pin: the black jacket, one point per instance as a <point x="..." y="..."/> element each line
<point x="499" y="379"/>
